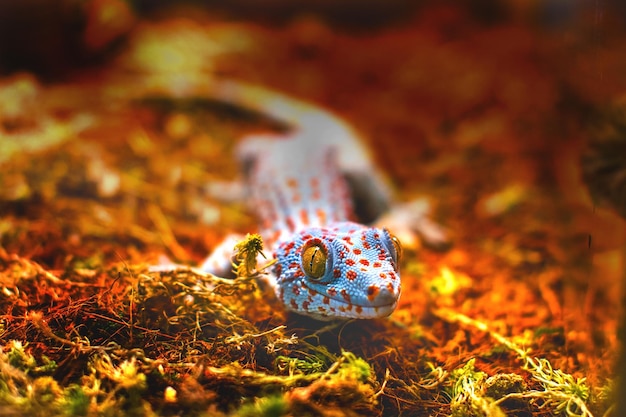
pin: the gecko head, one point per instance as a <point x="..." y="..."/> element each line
<point x="345" y="270"/>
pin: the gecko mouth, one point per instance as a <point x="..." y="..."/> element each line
<point x="346" y="310"/>
<point x="343" y="309"/>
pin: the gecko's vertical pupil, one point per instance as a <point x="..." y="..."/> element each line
<point x="398" y="247"/>
<point x="314" y="260"/>
<point x="396" y="253"/>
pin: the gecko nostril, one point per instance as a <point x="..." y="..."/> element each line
<point x="372" y="292"/>
<point x="381" y="295"/>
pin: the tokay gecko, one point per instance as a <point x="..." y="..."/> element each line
<point x="302" y="185"/>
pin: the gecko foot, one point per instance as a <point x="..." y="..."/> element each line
<point x="412" y="224"/>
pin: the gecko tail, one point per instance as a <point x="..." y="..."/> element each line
<point x="278" y="106"/>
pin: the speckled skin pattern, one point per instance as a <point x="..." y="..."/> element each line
<point x="302" y="200"/>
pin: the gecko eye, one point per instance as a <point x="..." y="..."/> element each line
<point x="398" y="247"/>
<point x="395" y="249"/>
<point x="314" y="258"/>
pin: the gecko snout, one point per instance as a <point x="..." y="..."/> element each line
<point x="381" y="295"/>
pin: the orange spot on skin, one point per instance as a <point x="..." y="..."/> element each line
<point x="350" y="262"/>
<point x="356" y="251"/>
<point x="304" y="216"/>
<point x="345" y="295"/>
<point x="382" y="257"/>
<point x="336" y="273"/>
<point x="292" y="183"/>
<point x="364" y="262"/>
<point x="321" y="214"/>
<point x="315" y="188"/>
<point x="372" y="292"/>
<point x="377" y="264"/>
<point x="295" y="290"/>
<point x="358" y="309"/>
<point x="390" y="287"/>
<point x="332" y="292"/>
<point x="366" y="244"/>
<point x="294" y="304"/>
<point x="290" y="224"/>
<point x="305" y="305"/>
<point x="326" y="300"/>
<point x="348" y="239"/>
<point x="351" y="275"/>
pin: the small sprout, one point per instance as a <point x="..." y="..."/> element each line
<point x="467" y="373"/>
<point x="434" y="378"/>
<point x="126" y="375"/>
<point x="467" y="393"/>
<point x="281" y="342"/>
<point x="561" y="390"/>
<point x="294" y="366"/>
<point x="246" y="253"/>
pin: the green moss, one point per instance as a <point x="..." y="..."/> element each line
<point x="18" y="358"/>
<point x="500" y="385"/>
<point x="353" y="367"/>
<point x="74" y="402"/>
<point x="465" y="387"/>
<point x="271" y="406"/>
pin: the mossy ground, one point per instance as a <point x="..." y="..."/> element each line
<point x="109" y="173"/>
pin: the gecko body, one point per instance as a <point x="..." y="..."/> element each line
<point x="328" y="266"/>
